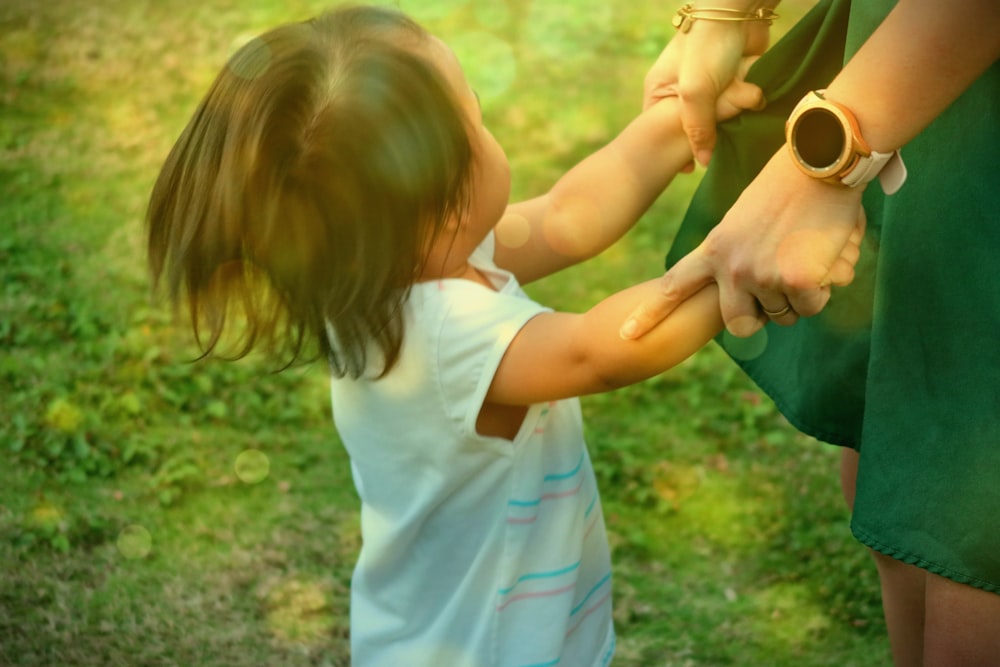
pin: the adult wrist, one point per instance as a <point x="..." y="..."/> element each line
<point x="742" y="15"/>
<point x="825" y="141"/>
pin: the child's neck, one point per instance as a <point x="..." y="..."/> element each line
<point x="464" y="271"/>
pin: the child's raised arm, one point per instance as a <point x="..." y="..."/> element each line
<point x="596" y="202"/>
<point x="558" y="355"/>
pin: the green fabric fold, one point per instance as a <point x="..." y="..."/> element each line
<point x="786" y="362"/>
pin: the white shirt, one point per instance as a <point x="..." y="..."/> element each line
<point x="477" y="551"/>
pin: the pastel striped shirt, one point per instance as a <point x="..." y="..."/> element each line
<point x="477" y="551"/>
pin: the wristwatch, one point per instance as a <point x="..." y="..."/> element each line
<point x="826" y="143"/>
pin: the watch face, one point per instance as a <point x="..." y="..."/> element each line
<point x="819" y="139"/>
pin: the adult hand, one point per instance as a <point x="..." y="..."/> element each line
<point x="775" y="254"/>
<point x="698" y="66"/>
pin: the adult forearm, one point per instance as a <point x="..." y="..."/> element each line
<point x="915" y="64"/>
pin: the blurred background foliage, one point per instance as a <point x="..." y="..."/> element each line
<point x="155" y="511"/>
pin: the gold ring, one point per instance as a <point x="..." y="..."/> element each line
<point x="777" y="313"/>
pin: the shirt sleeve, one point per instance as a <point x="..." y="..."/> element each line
<point x="477" y="327"/>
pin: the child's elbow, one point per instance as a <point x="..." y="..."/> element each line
<point x="610" y="373"/>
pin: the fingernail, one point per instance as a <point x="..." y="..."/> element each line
<point x="761" y="105"/>
<point x="704" y="156"/>
<point x="743" y="326"/>
<point x="627" y="331"/>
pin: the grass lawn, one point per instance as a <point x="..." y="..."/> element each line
<point x="155" y="512"/>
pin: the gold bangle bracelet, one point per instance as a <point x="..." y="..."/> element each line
<point x="687" y="15"/>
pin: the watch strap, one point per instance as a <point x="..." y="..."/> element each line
<point x="893" y="174"/>
<point x="888" y="167"/>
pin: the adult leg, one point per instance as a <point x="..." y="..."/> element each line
<point x="963" y="625"/>
<point x="902" y="586"/>
<point x="849" y="474"/>
<point x="903" y="604"/>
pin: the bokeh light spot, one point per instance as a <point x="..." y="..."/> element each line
<point x="806" y="256"/>
<point x="47" y="518"/>
<point x="63" y="416"/>
<point x="252" y="466"/>
<point x="492" y="13"/>
<point x="513" y="231"/>
<point x="745" y="349"/>
<point x="562" y="235"/>
<point x="675" y="483"/>
<point x="788" y="615"/>
<point x="134" y="542"/>
<point x="568" y="31"/>
<point x="299" y="611"/>
<point x="488" y="61"/>
<point x="425" y="11"/>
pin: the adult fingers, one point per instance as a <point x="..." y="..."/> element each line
<point x="778" y="309"/>
<point x="809" y="302"/>
<point x="698" y="119"/>
<point x="714" y="62"/>
<point x="699" y="88"/>
<point x="685" y="279"/>
<point x="740" y="311"/>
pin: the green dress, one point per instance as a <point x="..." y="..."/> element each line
<point x="904" y="364"/>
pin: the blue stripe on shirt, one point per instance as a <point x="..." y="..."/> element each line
<point x="586" y="597"/>
<point x="539" y="575"/>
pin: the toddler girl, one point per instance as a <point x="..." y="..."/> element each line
<point x="337" y="188"/>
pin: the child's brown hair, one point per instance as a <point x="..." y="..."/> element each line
<point x="305" y="187"/>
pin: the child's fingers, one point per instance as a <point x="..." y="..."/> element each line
<point x="738" y="97"/>
<point x="741" y="95"/>
<point x="842" y="271"/>
<point x="859" y="229"/>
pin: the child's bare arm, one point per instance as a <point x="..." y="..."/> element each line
<point x="558" y="355"/>
<point x="597" y="201"/>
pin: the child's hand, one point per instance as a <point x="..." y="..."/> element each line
<point x="740" y="95"/>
